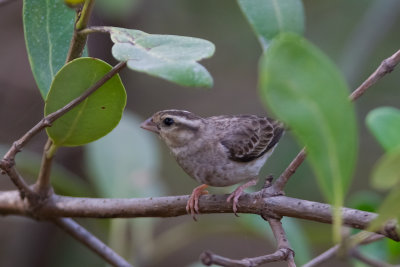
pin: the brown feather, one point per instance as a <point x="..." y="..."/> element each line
<point x="250" y="137"/>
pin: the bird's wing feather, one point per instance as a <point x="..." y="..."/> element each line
<point x="251" y="137"/>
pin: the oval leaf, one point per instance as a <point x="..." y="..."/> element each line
<point x="48" y="27"/>
<point x="268" y="18"/>
<point x="94" y="117"/>
<point x="384" y="123"/>
<point x="173" y="58"/>
<point x="306" y="91"/>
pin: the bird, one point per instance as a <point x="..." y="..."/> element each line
<point x="217" y="151"/>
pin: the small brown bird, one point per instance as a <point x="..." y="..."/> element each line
<point x="217" y="151"/>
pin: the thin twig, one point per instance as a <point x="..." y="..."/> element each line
<point x="282" y="241"/>
<point x="208" y="258"/>
<point x="355" y="253"/>
<point x="282" y="253"/>
<point x="16" y="178"/>
<point x="43" y="186"/>
<point x="384" y="68"/>
<point x="92" y="242"/>
<point x="333" y="250"/>
<point x="282" y="180"/>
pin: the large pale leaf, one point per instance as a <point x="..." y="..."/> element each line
<point x="173" y="58"/>
<point x="306" y="91"/>
<point x="125" y="163"/>
<point x="268" y="18"/>
<point x="97" y="115"/>
<point x="48" y="27"/>
<point x="384" y="123"/>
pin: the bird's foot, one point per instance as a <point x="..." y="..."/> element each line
<point x="192" y="206"/>
<point x="234" y="197"/>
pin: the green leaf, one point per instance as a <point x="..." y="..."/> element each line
<point x="269" y="18"/>
<point x="394" y="250"/>
<point x="384" y="123"/>
<point x="94" y="117"/>
<point x="173" y="58"/>
<point x="388" y="210"/>
<point x="307" y="92"/>
<point x="386" y="172"/>
<point x="125" y="163"/>
<point x="48" y="27"/>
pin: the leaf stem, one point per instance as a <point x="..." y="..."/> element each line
<point x="43" y="185"/>
<point x="78" y="40"/>
<point x="83" y="19"/>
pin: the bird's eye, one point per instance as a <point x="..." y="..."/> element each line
<point x="168" y="121"/>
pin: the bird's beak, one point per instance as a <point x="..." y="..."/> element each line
<point x="149" y="125"/>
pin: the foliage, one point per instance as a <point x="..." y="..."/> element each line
<point x="384" y="123"/>
<point x="304" y="89"/>
<point x="48" y="27"/>
<point x="94" y="117"/>
<point x="169" y="57"/>
<point x="297" y="81"/>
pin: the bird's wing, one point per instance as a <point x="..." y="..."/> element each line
<point x="251" y="137"/>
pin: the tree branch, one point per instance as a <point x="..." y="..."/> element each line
<point x="355" y="253"/>
<point x="92" y="242"/>
<point x="43" y="186"/>
<point x="282" y="180"/>
<point x="330" y="253"/>
<point x="254" y="203"/>
<point x="384" y="68"/>
<point x="282" y="253"/>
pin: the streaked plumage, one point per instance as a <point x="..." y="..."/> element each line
<point x="217" y="151"/>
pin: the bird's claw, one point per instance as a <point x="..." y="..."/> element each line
<point x="192" y="206"/>
<point x="234" y="197"/>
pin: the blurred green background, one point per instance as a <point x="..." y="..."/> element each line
<point x="356" y="34"/>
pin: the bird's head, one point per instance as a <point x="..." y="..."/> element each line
<point x="176" y="127"/>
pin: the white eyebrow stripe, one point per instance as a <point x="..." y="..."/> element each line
<point x="183" y="120"/>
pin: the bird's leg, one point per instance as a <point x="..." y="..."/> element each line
<point x="192" y="206"/>
<point x="234" y="197"/>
